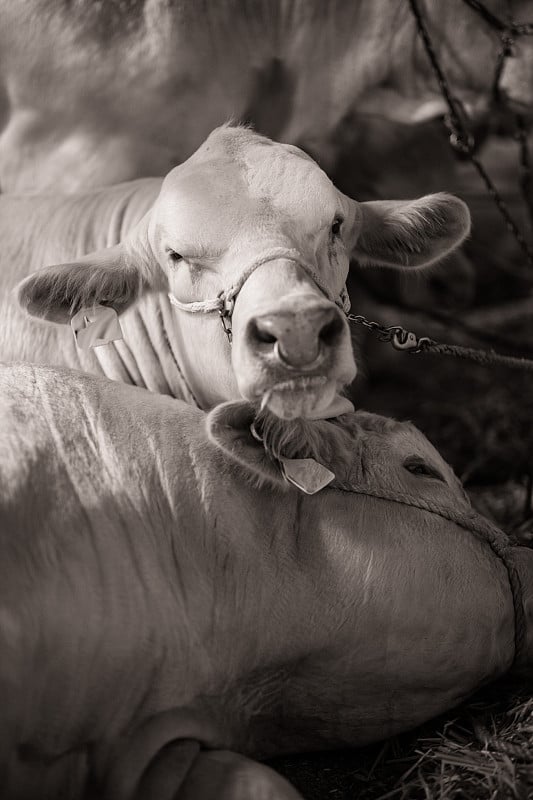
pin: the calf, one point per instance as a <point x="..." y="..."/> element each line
<point x="248" y="239"/>
<point x="155" y="605"/>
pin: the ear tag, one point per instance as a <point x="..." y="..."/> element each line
<point x="306" y="474"/>
<point x="95" y="326"/>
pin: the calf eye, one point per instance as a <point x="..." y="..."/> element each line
<point x="174" y="257"/>
<point x="336" y="227"/>
<point x="418" y="467"/>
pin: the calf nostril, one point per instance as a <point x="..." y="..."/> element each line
<point x="331" y="331"/>
<point x="262" y="333"/>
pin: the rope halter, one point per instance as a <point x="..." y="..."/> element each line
<point x="224" y="303"/>
<point x="485" y="530"/>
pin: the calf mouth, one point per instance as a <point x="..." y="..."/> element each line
<point x="306" y="397"/>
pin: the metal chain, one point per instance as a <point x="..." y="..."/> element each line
<point x="461" y="138"/>
<point x="400" y="338"/>
<point x="409" y="342"/>
<point x="383" y="332"/>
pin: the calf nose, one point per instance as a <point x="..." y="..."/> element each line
<point x="298" y="339"/>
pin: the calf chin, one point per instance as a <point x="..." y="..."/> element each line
<point x="300" y="398"/>
<point x="303" y="398"/>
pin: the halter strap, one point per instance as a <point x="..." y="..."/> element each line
<point x="486" y="530"/>
<point x="225" y="301"/>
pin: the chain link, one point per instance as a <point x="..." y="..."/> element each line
<point x="400" y="338"/>
<point x="409" y="342"/>
<point x="463" y="141"/>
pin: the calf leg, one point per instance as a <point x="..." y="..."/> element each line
<point x="222" y="775"/>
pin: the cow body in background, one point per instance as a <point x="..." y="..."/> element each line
<point x="245" y="218"/>
<point x="98" y="93"/>
<point x="151" y="596"/>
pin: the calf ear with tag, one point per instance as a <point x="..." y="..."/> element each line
<point x="306" y="474"/>
<point x="95" y="326"/>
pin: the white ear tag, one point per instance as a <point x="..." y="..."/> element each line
<point x="306" y="474"/>
<point x="95" y="326"/>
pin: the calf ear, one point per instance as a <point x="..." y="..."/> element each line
<point x="55" y="293"/>
<point x="411" y="233"/>
<point x="229" y="428"/>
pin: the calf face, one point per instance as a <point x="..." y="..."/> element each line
<point x="361" y="449"/>
<point x="255" y="230"/>
<point x="400" y="521"/>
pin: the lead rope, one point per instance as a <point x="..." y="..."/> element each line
<point x="486" y="530"/>
<point x="461" y="138"/>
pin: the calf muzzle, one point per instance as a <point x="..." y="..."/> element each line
<point x="297" y="340"/>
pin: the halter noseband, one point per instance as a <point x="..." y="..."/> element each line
<point x="224" y="302"/>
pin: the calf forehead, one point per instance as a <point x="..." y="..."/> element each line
<point x="203" y="199"/>
<point x="245" y="176"/>
<point x="407" y="439"/>
<point x="288" y="180"/>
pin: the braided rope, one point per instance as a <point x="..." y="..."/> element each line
<point x="461" y="138"/>
<point x="497" y="540"/>
<point x="484" y="357"/>
<point x="198" y="306"/>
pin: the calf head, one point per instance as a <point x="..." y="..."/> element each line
<point x="363" y="450"/>
<point x="256" y="230"/>
<point x="395" y="554"/>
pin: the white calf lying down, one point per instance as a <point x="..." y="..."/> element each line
<point x="246" y="228"/>
<point x="156" y="605"/>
